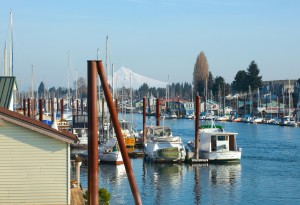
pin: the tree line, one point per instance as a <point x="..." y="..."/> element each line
<point x="204" y="84"/>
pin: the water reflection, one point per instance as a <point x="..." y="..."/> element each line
<point x="224" y="182"/>
<point x="162" y="180"/>
<point x="113" y="174"/>
<point x="226" y="174"/>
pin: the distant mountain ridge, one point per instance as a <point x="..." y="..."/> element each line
<point x="122" y="79"/>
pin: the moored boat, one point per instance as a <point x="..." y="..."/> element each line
<point x="162" y="146"/>
<point x="216" y="145"/>
<point x="110" y="152"/>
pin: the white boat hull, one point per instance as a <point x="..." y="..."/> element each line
<point x="164" y="152"/>
<point x="111" y="157"/>
<point x="222" y="156"/>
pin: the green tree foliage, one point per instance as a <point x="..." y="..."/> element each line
<point x="144" y="89"/>
<point x="218" y="86"/>
<point x="240" y="83"/>
<point x="200" y="74"/>
<point x="41" y="90"/>
<point x="244" y="79"/>
<point x="104" y="196"/>
<point x="254" y="80"/>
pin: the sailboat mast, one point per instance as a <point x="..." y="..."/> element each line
<point x="68" y="83"/>
<point x="106" y="56"/>
<point x="5" y="73"/>
<point x="112" y="80"/>
<point x="11" y="71"/>
<point x="32" y="82"/>
<point x="131" y="111"/>
<point x="76" y="88"/>
<point x="289" y="98"/>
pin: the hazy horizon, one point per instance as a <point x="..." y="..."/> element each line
<point x="154" y="38"/>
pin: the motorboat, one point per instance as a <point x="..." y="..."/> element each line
<point x="257" y="120"/>
<point x="216" y="145"/>
<point x="162" y="146"/>
<point x="128" y="133"/>
<point x="110" y="152"/>
<point x="190" y="115"/>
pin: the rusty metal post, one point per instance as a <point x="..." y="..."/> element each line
<point x="73" y="106"/>
<point x="52" y="110"/>
<point x="34" y="108"/>
<point x="81" y="104"/>
<point x="157" y="112"/>
<point x="61" y="102"/>
<point x="92" y="134"/>
<point x="40" y="110"/>
<point x="144" y="120"/>
<point x="197" y="124"/>
<point x="114" y="117"/>
<point x="28" y="107"/>
<point x="103" y="113"/>
<point x="116" y="105"/>
<point x="49" y="106"/>
<point x="24" y="107"/>
<point x="57" y="105"/>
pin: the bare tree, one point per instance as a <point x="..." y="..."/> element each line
<point x="200" y="74"/>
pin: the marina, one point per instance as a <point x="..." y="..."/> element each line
<point x="268" y="172"/>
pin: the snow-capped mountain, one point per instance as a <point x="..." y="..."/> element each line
<point x="122" y="79"/>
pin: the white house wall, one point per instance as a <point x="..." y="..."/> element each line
<point x="33" y="167"/>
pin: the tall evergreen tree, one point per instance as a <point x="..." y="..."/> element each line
<point x="240" y="83"/>
<point x="200" y="74"/>
<point x="41" y="90"/>
<point x="254" y="80"/>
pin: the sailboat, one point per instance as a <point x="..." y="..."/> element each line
<point x="109" y="152"/>
<point x="129" y="134"/>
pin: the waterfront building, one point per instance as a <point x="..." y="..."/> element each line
<point x="35" y="161"/>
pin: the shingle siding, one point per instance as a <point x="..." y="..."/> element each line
<point x="33" y="167"/>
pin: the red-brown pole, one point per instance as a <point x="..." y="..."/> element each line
<point x="81" y="106"/>
<point x="34" y="108"/>
<point x="73" y="106"/>
<point x="103" y="113"/>
<point x="24" y="107"/>
<point x="52" y="110"/>
<point x="93" y="134"/>
<point x="144" y="120"/>
<point x="61" y="109"/>
<point x="116" y="105"/>
<point x="28" y="107"/>
<point x="40" y="110"/>
<point x="197" y="124"/>
<point x="57" y="105"/>
<point x="157" y="112"/>
<point x="49" y="106"/>
<point x="120" y="139"/>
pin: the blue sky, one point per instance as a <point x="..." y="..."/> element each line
<point x="155" y="38"/>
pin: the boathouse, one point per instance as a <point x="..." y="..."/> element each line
<point x="35" y="161"/>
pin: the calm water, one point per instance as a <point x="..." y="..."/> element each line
<point x="269" y="172"/>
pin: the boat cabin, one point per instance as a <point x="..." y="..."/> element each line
<point x="218" y="141"/>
